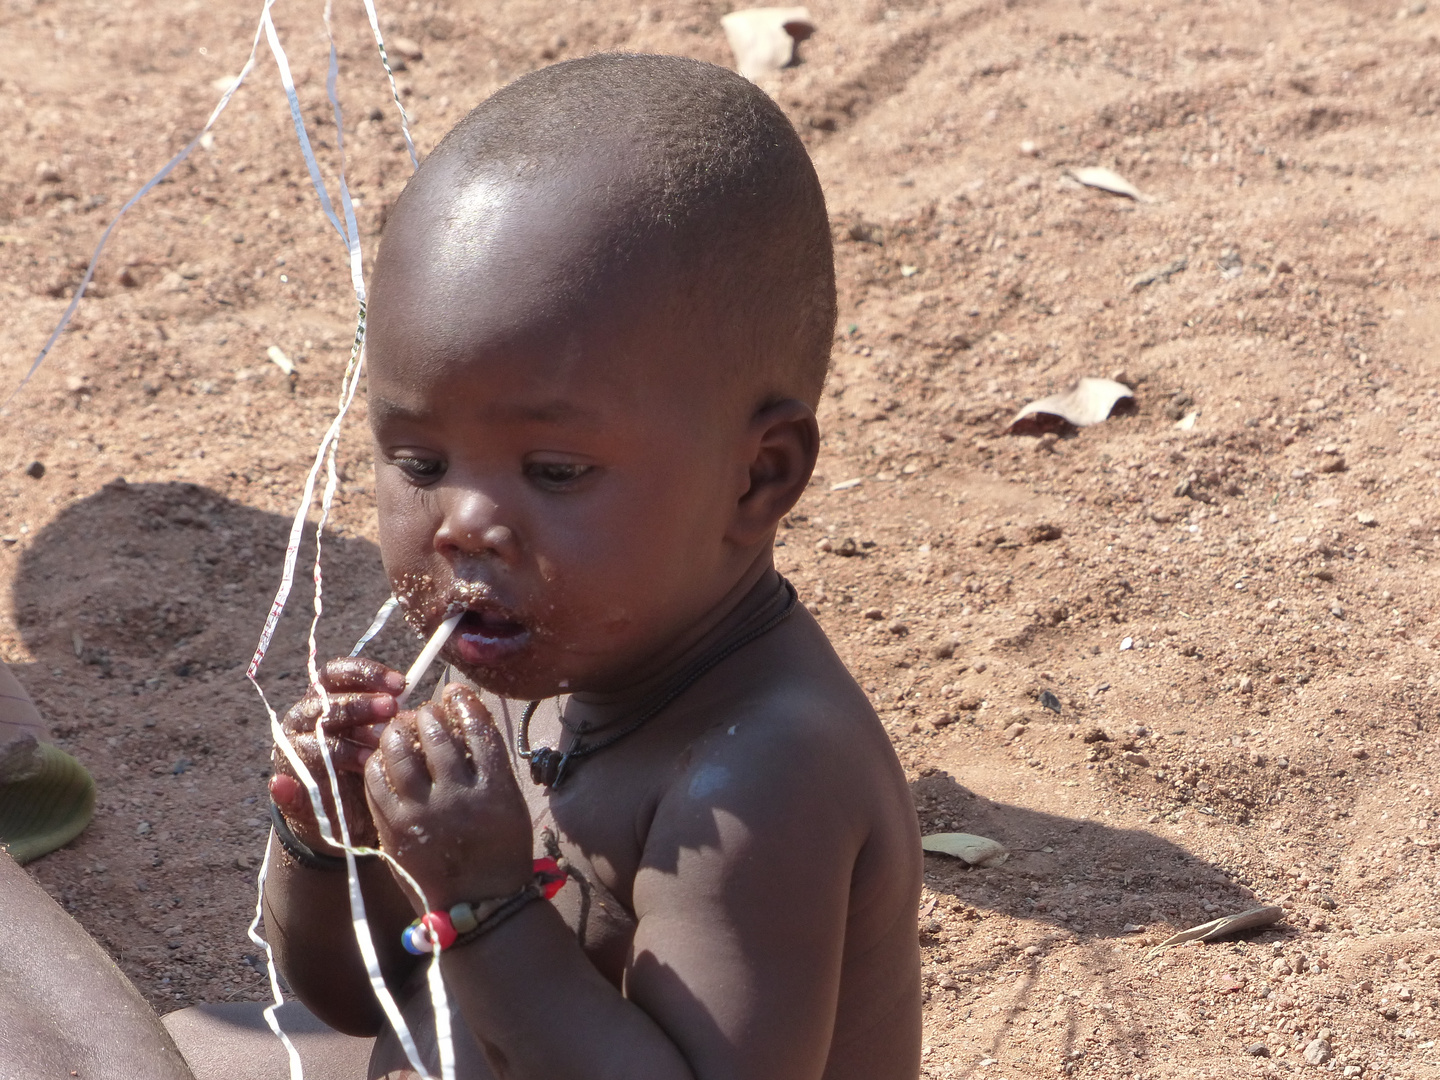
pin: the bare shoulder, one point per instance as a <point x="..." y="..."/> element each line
<point x="787" y="818"/>
<point x="789" y="735"/>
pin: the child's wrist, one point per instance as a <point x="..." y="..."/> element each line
<point x="465" y="922"/>
<point x="298" y="852"/>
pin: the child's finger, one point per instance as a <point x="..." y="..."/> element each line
<point x="348" y="710"/>
<point x="349" y="754"/>
<point x="482" y="737"/>
<point x="403" y="759"/>
<point x="384" y="806"/>
<point x="359" y="674"/>
<point x="288" y="793"/>
<point x="444" y="752"/>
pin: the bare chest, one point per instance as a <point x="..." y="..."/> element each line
<point x="588" y="824"/>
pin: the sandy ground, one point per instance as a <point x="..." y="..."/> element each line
<point x="1269" y="732"/>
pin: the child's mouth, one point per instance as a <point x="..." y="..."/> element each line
<point x="485" y="638"/>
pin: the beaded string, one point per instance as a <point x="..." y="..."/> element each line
<point x="549" y="767"/>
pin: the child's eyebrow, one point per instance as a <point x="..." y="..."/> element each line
<point x="558" y="411"/>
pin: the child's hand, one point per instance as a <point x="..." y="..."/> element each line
<point x="362" y="699"/>
<point x="446" y="804"/>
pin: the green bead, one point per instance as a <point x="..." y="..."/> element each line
<point x="462" y="917"/>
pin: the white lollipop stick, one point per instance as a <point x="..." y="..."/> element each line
<point x="428" y="654"/>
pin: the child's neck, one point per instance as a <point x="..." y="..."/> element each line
<point x="758" y="589"/>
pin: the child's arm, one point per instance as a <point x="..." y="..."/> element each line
<point x="742" y="900"/>
<point x="307" y="910"/>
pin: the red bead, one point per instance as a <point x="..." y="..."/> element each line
<point x="441" y="930"/>
<point x="550" y="869"/>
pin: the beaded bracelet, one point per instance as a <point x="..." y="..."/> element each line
<point x="464" y="923"/>
<point x="301" y="852"/>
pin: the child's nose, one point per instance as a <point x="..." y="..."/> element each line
<point x="470" y="530"/>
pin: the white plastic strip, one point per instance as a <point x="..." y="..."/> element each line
<point x="376" y="625"/>
<point x="297" y="1071"/>
<point x="428" y="654"/>
<point x="145" y="189"/>
<point x="287" y="80"/>
<point x="390" y="74"/>
<point x="326" y="453"/>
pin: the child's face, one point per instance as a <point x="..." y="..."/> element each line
<point x="566" y="470"/>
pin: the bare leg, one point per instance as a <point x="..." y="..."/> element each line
<point x="233" y="1042"/>
<point x="65" y="1008"/>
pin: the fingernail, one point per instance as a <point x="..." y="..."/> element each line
<point x="394" y="682"/>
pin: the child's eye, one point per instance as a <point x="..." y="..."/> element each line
<point x="421" y="470"/>
<point x="555" y="475"/>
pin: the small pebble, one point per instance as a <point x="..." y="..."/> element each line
<point x="1337" y="611"/>
<point x="46" y="173"/>
<point x="1032" y="950"/>
<point x="1140" y="761"/>
<point x="899" y="628"/>
<point x="1094" y="735"/>
<point x="1317" y="1052"/>
<point x="35" y="470"/>
<point x="944" y="649"/>
<point x="1127" y="644"/>
<point x="1258" y="1050"/>
<point x="1014" y="731"/>
<point x="1365" y="518"/>
<point x="874" y="613"/>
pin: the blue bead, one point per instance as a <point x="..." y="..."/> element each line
<point x="415" y="940"/>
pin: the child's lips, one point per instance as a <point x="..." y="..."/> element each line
<point x="487" y="637"/>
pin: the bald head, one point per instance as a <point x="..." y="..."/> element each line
<point x="598" y="178"/>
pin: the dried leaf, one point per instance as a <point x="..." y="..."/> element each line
<point x="1109" y="181"/>
<point x="1223" y="927"/>
<point x="764" y="39"/>
<point x="1091" y="401"/>
<point x="967" y="847"/>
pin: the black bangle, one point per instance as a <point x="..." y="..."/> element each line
<point x="301" y="852"/>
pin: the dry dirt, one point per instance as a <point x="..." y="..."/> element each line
<point x="1270" y="730"/>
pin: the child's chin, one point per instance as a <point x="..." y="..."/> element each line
<point x="521" y="679"/>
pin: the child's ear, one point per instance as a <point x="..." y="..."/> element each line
<point x="784" y="440"/>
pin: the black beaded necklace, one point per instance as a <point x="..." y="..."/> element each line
<point x="549" y="767"/>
